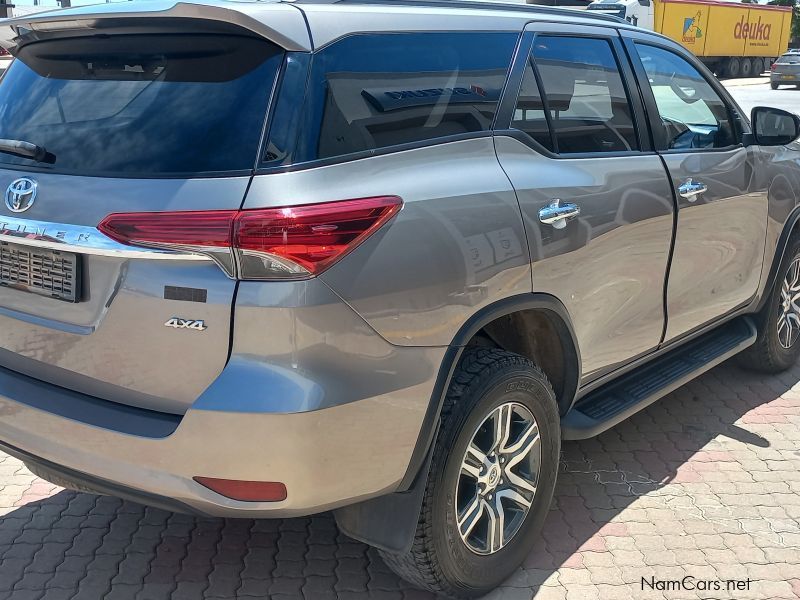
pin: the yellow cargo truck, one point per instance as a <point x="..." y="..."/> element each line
<point x="733" y="39"/>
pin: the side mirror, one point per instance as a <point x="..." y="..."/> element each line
<point x="774" y="127"/>
<point x="644" y="2"/>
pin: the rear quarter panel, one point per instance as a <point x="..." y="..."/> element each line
<point x="457" y="245"/>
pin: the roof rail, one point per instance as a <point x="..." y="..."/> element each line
<point x="482" y="4"/>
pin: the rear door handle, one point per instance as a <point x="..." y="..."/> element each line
<point x="557" y="214"/>
<point x="692" y="189"/>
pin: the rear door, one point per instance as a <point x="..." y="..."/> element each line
<point x="722" y="204"/>
<point x="161" y="121"/>
<point x="578" y="143"/>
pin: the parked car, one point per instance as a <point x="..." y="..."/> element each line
<point x="378" y="258"/>
<point x="785" y="70"/>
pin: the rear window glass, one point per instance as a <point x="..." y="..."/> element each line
<point x="150" y="105"/>
<point x="789" y="59"/>
<point x="376" y="90"/>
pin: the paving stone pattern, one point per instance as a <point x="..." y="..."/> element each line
<point x="704" y="484"/>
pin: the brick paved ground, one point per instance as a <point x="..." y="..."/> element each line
<point x="705" y="483"/>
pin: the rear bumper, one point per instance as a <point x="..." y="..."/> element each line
<point x="86" y="483"/>
<point x="335" y="419"/>
<point x="326" y="458"/>
<point x="784" y="78"/>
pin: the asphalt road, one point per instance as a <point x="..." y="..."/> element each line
<point x="749" y="95"/>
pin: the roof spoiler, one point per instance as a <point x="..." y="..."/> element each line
<point x="278" y="22"/>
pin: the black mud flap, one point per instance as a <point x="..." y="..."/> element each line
<point x="388" y="522"/>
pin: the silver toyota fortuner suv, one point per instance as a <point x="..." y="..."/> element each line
<point x="267" y="259"/>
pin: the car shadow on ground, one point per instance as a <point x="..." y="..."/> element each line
<point x="88" y="547"/>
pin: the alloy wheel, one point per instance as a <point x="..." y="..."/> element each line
<point x="498" y="478"/>
<point x="789" y="310"/>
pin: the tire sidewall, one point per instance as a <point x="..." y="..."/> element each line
<point x="477" y="573"/>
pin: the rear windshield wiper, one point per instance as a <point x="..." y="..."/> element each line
<point x="27" y="150"/>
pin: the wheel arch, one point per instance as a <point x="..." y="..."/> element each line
<point x="791" y="227"/>
<point x="500" y="321"/>
<point x="366" y="521"/>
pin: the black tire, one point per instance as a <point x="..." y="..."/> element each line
<point x="733" y="67"/>
<point x="746" y="68"/>
<point x="774" y="86"/>
<point x="768" y="355"/>
<point x="758" y="67"/>
<point x="440" y="560"/>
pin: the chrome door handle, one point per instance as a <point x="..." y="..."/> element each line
<point x="557" y="214"/>
<point x="692" y="189"/>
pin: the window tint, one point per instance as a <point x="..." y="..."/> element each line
<point x="589" y="108"/>
<point x="141" y="104"/>
<point x="376" y="90"/>
<point x="692" y="115"/>
<point x="529" y="115"/>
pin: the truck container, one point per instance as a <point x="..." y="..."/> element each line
<point x="733" y="39"/>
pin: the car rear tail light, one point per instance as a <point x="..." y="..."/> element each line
<point x="772" y="67"/>
<point x="245" y="491"/>
<point x="200" y="228"/>
<point x="268" y="243"/>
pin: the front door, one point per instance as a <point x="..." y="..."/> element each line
<point x="578" y="142"/>
<point x="722" y="208"/>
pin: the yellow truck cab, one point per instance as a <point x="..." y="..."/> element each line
<point x="733" y="39"/>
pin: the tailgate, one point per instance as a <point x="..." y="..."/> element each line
<point x="126" y="123"/>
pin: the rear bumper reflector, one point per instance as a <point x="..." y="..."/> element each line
<point x="245" y="491"/>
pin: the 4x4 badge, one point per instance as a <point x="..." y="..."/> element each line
<point x="178" y="323"/>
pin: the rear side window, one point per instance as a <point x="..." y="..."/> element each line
<point x="372" y="91"/>
<point x="586" y="102"/>
<point x="141" y="105"/>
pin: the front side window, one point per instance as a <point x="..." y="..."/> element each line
<point x="584" y="96"/>
<point x="372" y="91"/>
<point x="693" y="116"/>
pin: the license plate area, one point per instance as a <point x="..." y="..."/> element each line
<point x="40" y="271"/>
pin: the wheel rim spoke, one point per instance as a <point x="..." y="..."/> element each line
<point x="795" y="271"/>
<point x="783" y="329"/>
<point x="794" y="327"/>
<point x="502" y="418"/>
<point x="471" y="516"/>
<point x="515" y="497"/>
<point x="523" y="446"/>
<point x="473" y="462"/>
<point x="519" y="482"/>
<point x="497" y="520"/>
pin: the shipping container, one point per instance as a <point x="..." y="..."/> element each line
<point x="734" y="39"/>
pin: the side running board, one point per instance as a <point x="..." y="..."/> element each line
<point x="616" y="401"/>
